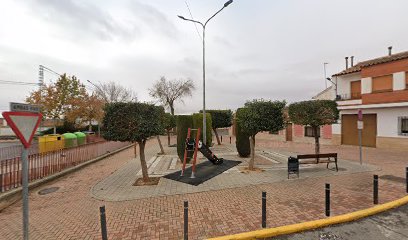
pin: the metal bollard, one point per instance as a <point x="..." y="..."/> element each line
<point x="327" y="199"/>
<point x="406" y="177"/>
<point x="103" y="223"/>
<point x="263" y="209"/>
<point x="221" y="138"/>
<point x="375" y="190"/>
<point x="185" y="220"/>
<point x="230" y="139"/>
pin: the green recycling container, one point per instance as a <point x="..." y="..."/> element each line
<point x="81" y="138"/>
<point x="70" y="140"/>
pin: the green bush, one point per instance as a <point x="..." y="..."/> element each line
<point x="242" y="139"/>
<point x="198" y="123"/>
<point x="183" y="122"/>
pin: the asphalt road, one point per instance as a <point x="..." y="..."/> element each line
<point x="389" y="225"/>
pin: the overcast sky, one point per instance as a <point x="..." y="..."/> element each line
<point x="273" y="49"/>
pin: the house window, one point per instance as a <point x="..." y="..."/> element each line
<point x="403" y="126"/>
<point x="309" y="131"/>
<point x="382" y="83"/>
<point x="355" y="90"/>
<point x="406" y="80"/>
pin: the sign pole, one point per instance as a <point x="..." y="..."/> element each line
<point x="360" y="129"/>
<point x="24" y="164"/>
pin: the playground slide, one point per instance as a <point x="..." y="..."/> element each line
<point x="209" y="154"/>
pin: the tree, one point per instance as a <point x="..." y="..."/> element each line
<point x="169" y="123"/>
<point x="314" y="113"/>
<point x="112" y="92"/>
<point x="260" y="115"/>
<point x="57" y="99"/>
<point x="220" y="119"/>
<point x="168" y="92"/>
<point x="86" y="110"/>
<point x="133" y="122"/>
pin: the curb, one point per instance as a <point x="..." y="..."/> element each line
<point x="299" y="227"/>
<point x="10" y="197"/>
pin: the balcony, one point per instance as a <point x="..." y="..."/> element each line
<point x="346" y="97"/>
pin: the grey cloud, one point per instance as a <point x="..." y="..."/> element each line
<point x="84" y="18"/>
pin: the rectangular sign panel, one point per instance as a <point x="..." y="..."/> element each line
<point x="23" y="107"/>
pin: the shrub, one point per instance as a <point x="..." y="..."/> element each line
<point x="198" y="123"/>
<point x="183" y="122"/>
<point x="242" y="139"/>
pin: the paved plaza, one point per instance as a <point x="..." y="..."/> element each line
<point x="227" y="204"/>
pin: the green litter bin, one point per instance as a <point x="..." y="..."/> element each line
<point x="81" y="138"/>
<point x="70" y="140"/>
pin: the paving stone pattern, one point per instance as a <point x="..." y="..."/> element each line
<point x="73" y="213"/>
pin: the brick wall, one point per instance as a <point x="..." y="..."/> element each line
<point x="298" y="130"/>
<point x="385" y="68"/>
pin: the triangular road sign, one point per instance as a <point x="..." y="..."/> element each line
<point x="23" y="124"/>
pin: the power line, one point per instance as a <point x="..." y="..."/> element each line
<point x="18" y="83"/>
<point x="195" y="25"/>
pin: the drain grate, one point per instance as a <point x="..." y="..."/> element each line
<point x="329" y="236"/>
<point x="393" y="178"/>
<point x="48" y="190"/>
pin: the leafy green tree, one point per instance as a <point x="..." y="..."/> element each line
<point x="314" y="113"/>
<point x="220" y="119"/>
<point x="133" y="122"/>
<point x="169" y="123"/>
<point x="260" y="115"/>
<point x="242" y="139"/>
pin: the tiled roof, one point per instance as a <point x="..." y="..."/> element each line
<point x="358" y="66"/>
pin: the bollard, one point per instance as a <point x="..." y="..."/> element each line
<point x="221" y="138"/>
<point x="375" y="192"/>
<point x="230" y="139"/>
<point x="185" y="220"/>
<point x="103" y="223"/>
<point x="327" y="200"/>
<point x="263" y="209"/>
<point x="406" y="177"/>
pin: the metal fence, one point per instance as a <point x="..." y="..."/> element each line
<point x="41" y="165"/>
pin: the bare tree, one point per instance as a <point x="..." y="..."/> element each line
<point x="167" y="92"/>
<point x="112" y="92"/>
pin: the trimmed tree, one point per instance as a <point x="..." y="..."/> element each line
<point x="198" y="123"/>
<point x="133" y="122"/>
<point x="242" y="139"/>
<point x="220" y="119"/>
<point x="183" y="122"/>
<point x="260" y="115"/>
<point x="314" y="113"/>
<point x="169" y="123"/>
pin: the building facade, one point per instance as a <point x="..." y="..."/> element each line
<point x="379" y="87"/>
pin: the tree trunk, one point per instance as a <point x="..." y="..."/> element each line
<point x="135" y="148"/>
<point x="143" y="161"/>
<point x="90" y="126"/>
<point x="168" y="137"/>
<point x="317" y="143"/>
<point x="171" y="109"/>
<point x="252" y="160"/>
<point x="160" y="144"/>
<point x="216" y="135"/>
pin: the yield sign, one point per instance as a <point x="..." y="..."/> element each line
<point x="23" y="124"/>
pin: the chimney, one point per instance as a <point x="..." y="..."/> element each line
<point x="352" y="61"/>
<point x="389" y="50"/>
<point x="346" y="62"/>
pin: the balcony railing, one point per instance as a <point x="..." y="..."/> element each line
<point x="351" y="96"/>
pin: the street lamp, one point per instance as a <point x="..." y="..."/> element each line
<point x="106" y="101"/>
<point x="204" y="25"/>
<point x="335" y="86"/>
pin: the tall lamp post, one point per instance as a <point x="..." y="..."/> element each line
<point x="204" y="25"/>
<point x="106" y="101"/>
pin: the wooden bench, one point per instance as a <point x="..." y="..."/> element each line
<point x="318" y="158"/>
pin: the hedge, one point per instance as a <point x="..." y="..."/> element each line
<point x="242" y="140"/>
<point x="183" y="122"/>
<point x="198" y="123"/>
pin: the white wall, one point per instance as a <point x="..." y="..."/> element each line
<point x="398" y="82"/>
<point x="387" y="120"/>
<point x="343" y="83"/>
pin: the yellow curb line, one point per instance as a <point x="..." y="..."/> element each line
<point x="299" y="227"/>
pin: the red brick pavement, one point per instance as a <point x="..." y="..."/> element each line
<point x="71" y="213"/>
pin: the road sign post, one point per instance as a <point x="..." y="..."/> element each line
<point x="24" y="124"/>
<point x="360" y="126"/>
